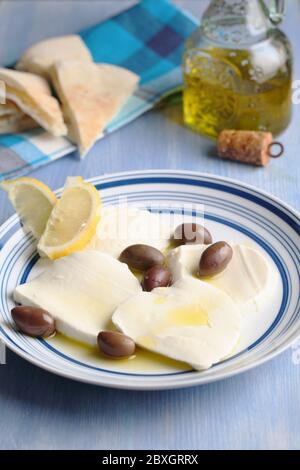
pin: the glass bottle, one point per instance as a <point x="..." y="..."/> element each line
<point x="238" y="69"/>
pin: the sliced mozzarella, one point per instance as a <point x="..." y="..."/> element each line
<point x="81" y="291"/>
<point x="190" y="321"/>
<point x="122" y="226"/>
<point x="249" y="277"/>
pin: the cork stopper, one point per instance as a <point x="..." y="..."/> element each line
<point x="252" y="147"/>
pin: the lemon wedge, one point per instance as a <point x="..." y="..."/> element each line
<point x="73" y="221"/>
<point x="33" y="202"/>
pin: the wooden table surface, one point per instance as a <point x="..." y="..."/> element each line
<point x="256" y="410"/>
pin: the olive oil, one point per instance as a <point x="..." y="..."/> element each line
<point x="223" y="90"/>
<point x="142" y="362"/>
<point x="237" y="71"/>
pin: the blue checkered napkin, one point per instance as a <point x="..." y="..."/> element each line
<point x="147" y="39"/>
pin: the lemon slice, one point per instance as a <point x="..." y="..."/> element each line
<point x="33" y="202"/>
<point x="73" y="221"/>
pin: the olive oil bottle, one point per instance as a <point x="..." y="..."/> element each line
<point x="238" y="70"/>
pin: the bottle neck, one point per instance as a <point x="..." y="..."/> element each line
<point x="235" y="22"/>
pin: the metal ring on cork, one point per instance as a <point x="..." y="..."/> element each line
<point x="280" y="150"/>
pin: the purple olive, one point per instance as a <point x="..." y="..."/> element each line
<point x="115" y="344"/>
<point x="192" y="233"/>
<point x="157" y="276"/>
<point x="141" y="257"/>
<point x="215" y="259"/>
<point x="33" y="321"/>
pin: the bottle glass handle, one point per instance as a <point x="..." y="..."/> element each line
<point x="277" y="11"/>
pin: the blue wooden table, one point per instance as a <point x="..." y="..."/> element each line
<point x="259" y="409"/>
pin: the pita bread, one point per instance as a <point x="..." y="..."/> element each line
<point x="40" y="57"/>
<point x="11" y="124"/>
<point x="32" y="95"/>
<point x="91" y="95"/>
<point x="10" y="109"/>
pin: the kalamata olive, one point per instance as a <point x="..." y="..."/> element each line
<point x="33" y="321"/>
<point x="113" y="343"/>
<point x="157" y="276"/>
<point x="215" y="259"/>
<point x="141" y="257"/>
<point x="192" y="233"/>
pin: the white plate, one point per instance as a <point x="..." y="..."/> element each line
<point x="233" y="211"/>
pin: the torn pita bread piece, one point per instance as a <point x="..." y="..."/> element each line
<point x="32" y="95"/>
<point x="41" y="56"/>
<point x="91" y="95"/>
<point x="14" y="123"/>
<point x="10" y="109"/>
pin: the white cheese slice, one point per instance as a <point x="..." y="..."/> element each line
<point x="81" y="291"/>
<point x="121" y="226"/>
<point x="190" y="321"/>
<point x="248" y="279"/>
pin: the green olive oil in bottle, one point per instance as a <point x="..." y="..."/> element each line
<point x="238" y="69"/>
